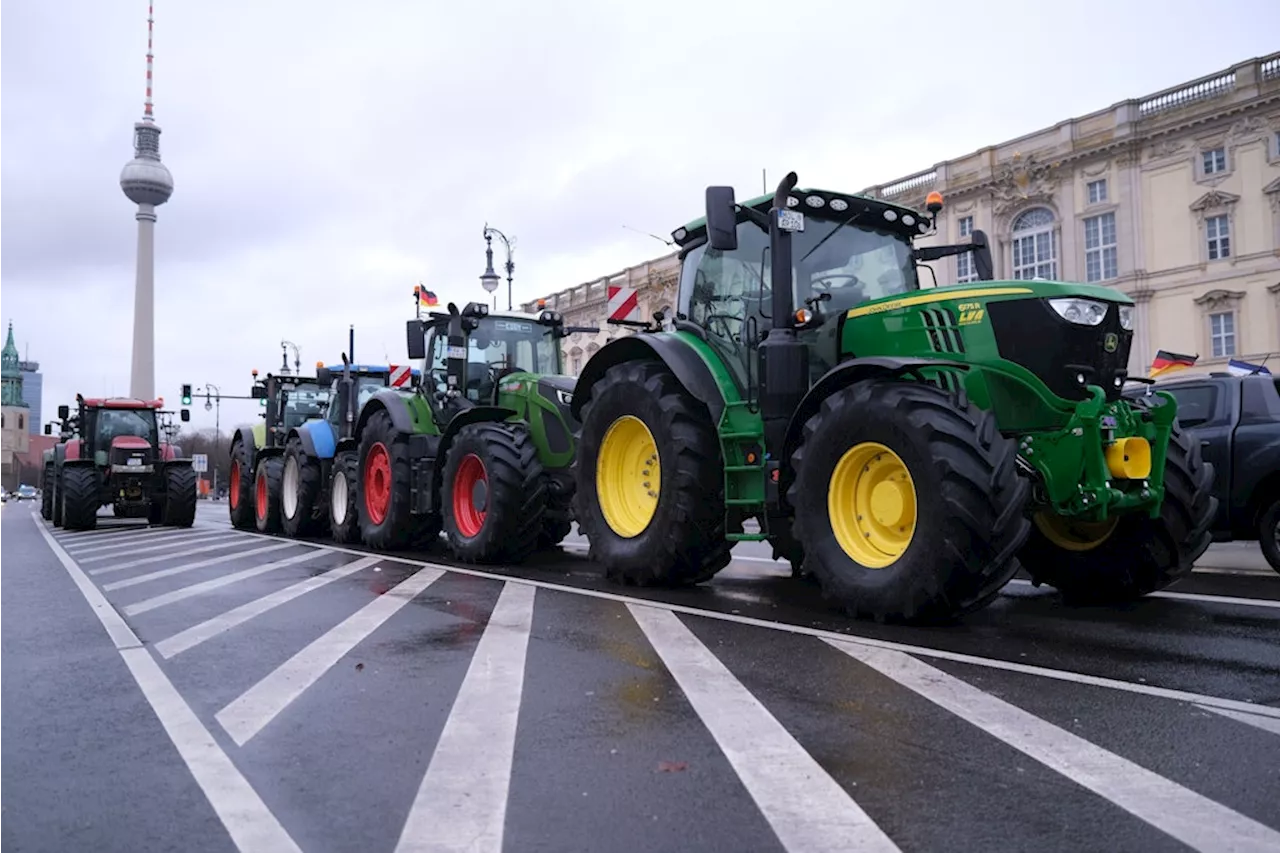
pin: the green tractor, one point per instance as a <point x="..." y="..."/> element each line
<point x="481" y="447"/>
<point x="257" y="453"/>
<point x="905" y="447"/>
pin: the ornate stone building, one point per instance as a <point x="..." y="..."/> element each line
<point x="587" y="305"/>
<point x="14" y="435"/>
<point x="1173" y="198"/>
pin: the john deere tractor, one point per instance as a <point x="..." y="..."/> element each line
<point x="113" y="453"/>
<point x="480" y="448"/>
<point x="307" y="506"/>
<point x="904" y="446"/>
<point x="257" y="453"/>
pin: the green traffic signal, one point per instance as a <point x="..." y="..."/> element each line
<point x="186" y="395"/>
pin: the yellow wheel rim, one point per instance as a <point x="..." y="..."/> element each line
<point x="871" y="502"/>
<point x="628" y="476"/>
<point x="1071" y="534"/>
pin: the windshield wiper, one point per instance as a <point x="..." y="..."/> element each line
<point x="850" y="218"/>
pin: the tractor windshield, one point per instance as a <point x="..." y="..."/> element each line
<point x="302" y="403"/>
<point x="729" y="293"/>
<point x="499" y="346"/>
<point x="116" y="422"/>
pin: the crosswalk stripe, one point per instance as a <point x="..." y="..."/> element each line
<point x="163" y="546"/>
<point x="146" y="561"/>
<point x="210" y="628"/>
<point x="1193" y="819"/>
<point x="77" y="549"/>
<point x="806" y="807"/>
<point x="189" y="567"/>
<point x="461" y="804"/>
<point x="1267" y="724"/>
<point x="201" y="588"/>
<point x="259" y="705"/>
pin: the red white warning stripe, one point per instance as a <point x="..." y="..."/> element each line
<point x="624" y="303"/>
<point x="400" y="376"/>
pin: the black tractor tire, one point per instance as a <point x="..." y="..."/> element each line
<point x="266" y="494"/>
<point x="57" y="498"/>
<point x="684" y="542"/>
<point x="311" y="513"/>
<point x="180" y="494"/>
<point x="969" y="499"/>
<point x="344" y="494"/>
<point x="46" y="493"/>
<point x="492" y="494"/>
<point x="386" y="518"/>
<point x="80" y="498"/>
<point x="240" y="488"/>
<point x="1143" y="554"/>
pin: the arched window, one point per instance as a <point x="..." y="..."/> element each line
<point x="575" y="360"/>
<point x="1035" y="245"/>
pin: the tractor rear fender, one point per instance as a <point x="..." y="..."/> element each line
<point x="175" y="463"/>
<point x="474" y="415"/>
<point x="393" y="404"/>
<point x="316" y="438"/>
<point x="244" y="436"/>
<point x="683" y="361"/>
<point x="845" y="374"/>
<point x="78" y="463"/>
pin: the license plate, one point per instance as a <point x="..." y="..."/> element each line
<point x="790" y="220"/>
<point x="456" y="352"/>
<point x="134" y="463"/>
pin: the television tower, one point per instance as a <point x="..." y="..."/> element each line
<point x="147" y="183"/>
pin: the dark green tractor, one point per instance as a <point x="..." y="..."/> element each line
<point x="481" y="447"/>
<point x="904" y="446"/>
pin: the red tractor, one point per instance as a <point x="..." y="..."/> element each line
<point x="114" y="455"/>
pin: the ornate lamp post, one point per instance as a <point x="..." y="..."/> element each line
<point x="489" y="279"/>
<point x="217" y="424"/>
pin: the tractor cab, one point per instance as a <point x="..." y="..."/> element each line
<point x="473" y="351"/>
<point x="289" y="402"/>
<point x="350" y="386"/>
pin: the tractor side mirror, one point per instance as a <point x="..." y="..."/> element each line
<point x="258" y="392"/>
<point x="185" y="414"/>
<point x="722" y="219"/>
<point x="416" y="337"/>
<point x="324" y="377"/>
<point x="982" y="262"/>
<point x="48" y="429"/>
<point x="64" y="412"/>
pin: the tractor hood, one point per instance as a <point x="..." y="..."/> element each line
<point x="129" y="442"/>
<point x="988" y="290"/>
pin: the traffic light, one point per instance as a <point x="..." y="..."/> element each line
<point x="186" y="395"/>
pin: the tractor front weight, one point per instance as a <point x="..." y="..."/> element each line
<point x="1109" y="459"/>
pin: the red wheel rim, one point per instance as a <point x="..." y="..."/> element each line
<point x="465" y="514"/>
<point x="260" y="494"/>
<point x="377" y="483"/>
<point x="234" y="497"/>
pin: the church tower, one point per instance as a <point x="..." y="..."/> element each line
<point x="14" y="438"/>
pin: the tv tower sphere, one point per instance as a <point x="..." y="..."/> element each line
<point x="144" y="179"/>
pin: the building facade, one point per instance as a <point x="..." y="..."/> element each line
<point x="14" y="416"/>
<point x="1172" y="198"/>
<point x="587" y="304"/>
<point x="33" y="393"/>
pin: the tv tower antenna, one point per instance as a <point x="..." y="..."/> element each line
<point x="147" y="183"/>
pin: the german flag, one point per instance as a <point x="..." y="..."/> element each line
<point x="424" y="296"/>
<point x="1168" y="362"/>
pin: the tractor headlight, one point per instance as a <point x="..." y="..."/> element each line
<point x="1126" y="317"/>
<point x="1086" y="312"/>
<point x="565" y="397"/>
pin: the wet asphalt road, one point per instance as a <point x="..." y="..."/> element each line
<point x="208" y="690"/>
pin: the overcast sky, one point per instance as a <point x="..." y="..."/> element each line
<point x="329" y="155"/>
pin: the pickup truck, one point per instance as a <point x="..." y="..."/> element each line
<point x="1237" y="419"/>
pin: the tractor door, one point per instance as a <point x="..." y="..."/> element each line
<point x="435" y="379"/>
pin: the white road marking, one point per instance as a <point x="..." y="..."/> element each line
<point x="183" y="593"/>
<point x="210" y="628"/>
<point x="1140" y="689"/>
<point x="165" y="546"/>
<point x="1192" y="596"/>
<point x="80" y="549"/>
<point x="1267" y="724"/>
<point x="259" y="705"/>
<point x="146" y="561"/>
<point x="188" y="567"/>
<point x="807" y="809"/>
<point x="1193" y="819"/>
<point x="61" y="534"/>
<point x="75" y="546"/>
<point x="461" y="804"/>
<point x="251" y="825"/>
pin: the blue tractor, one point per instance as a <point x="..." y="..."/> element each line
<point x="314" y="493"/>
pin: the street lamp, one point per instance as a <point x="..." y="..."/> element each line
<point x="284" y="358"/>
<point x="217" y="425"/>
<point x="489" y="279"/>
